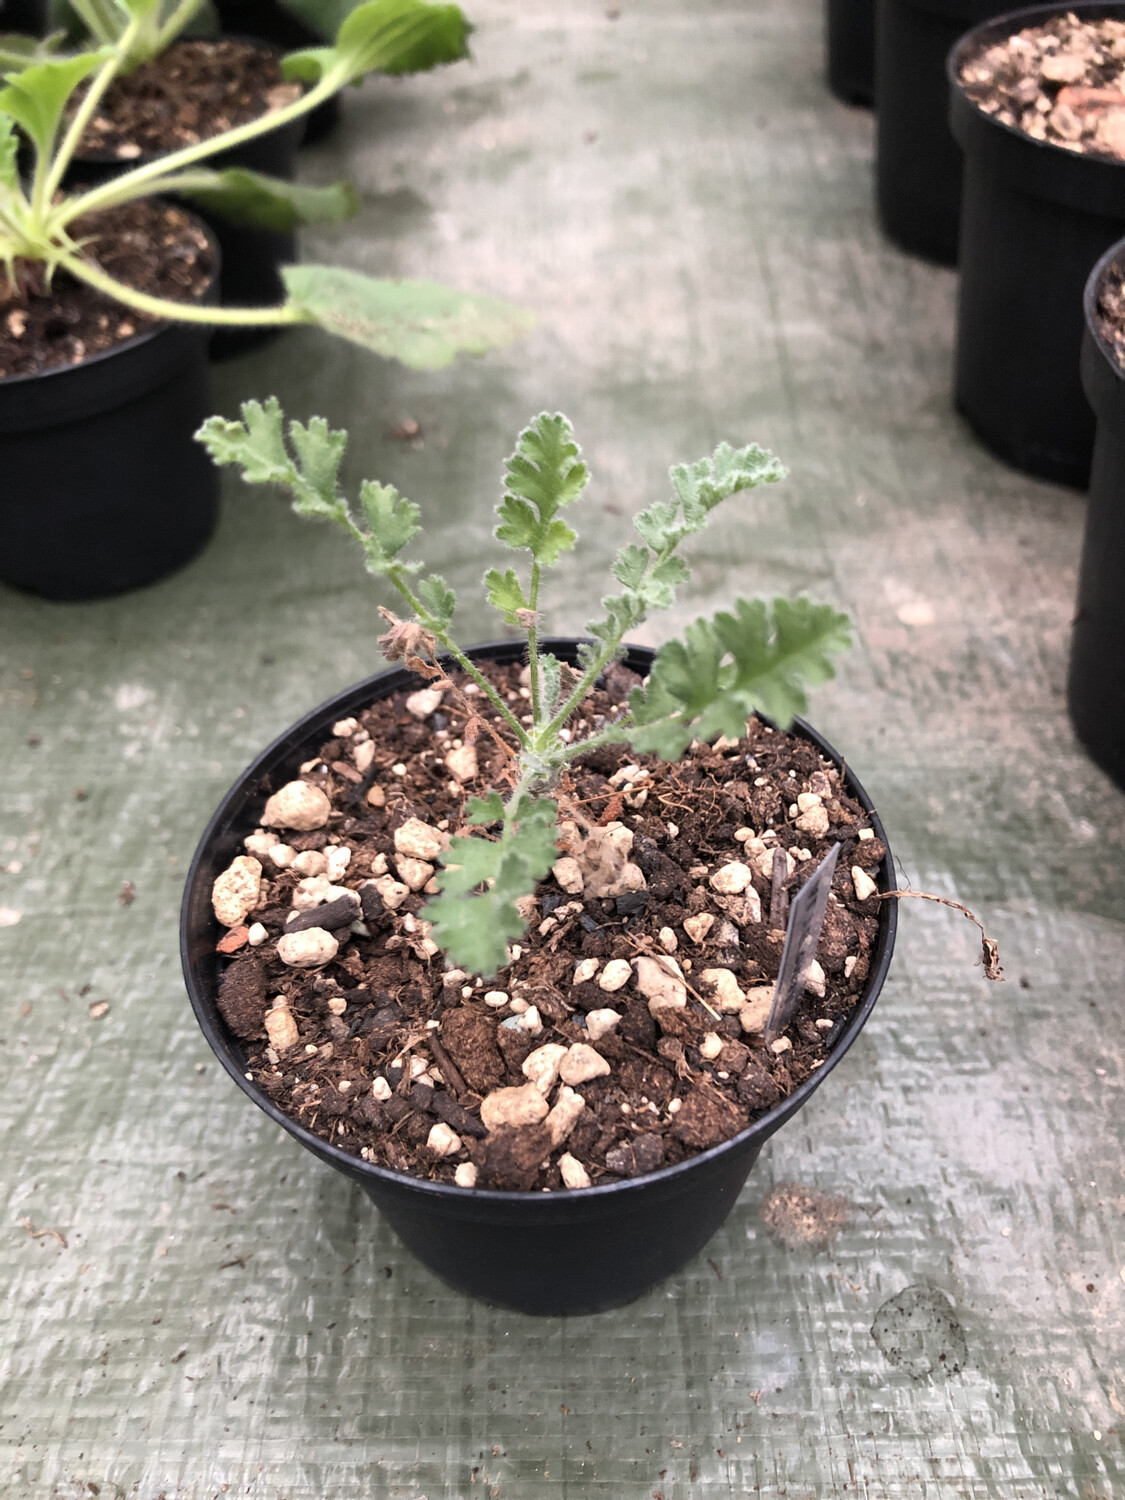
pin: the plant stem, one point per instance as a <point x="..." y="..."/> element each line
<point x="533" y="645"/>
<point x="181" y="312"/>
<point x="85" y="111"/>
<point x="448" y="644"/>
<point x="585" y="682"/>
<point x="136" y="184"/>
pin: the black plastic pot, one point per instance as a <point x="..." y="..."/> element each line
<point x="850" y="37"/>
<point x="103" y="486"/>
<point x="252" y="258"/>
<point x="917" y="161"/>
<point x="1096" y="682"/>
<point x="271" y="22"/>
<point x="1034" y="219"/>
<point x="550" y="1253"/>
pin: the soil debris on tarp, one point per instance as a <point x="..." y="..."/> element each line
<point x="803" y="1218"/>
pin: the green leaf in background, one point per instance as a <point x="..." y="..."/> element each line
<point x="380" y="36"/>
<point x="418" y="322"/>
<point x="244" y="197"/>
<point x="36" y="97"/>
<point x="18" y="52"/>
<point x="474" y="925"/>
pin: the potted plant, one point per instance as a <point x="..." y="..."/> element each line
<point x="172" y="89"/>
<point x="850" y="42"/>
<point x="509" y="919"/>
<point x="1096" y="681"/>
<point x="101" y="382"/>
<point x="1040" y="118"/>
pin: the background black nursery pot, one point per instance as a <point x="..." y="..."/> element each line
<point x="547" y="1253"/>
<point x="465" y="1208"/>
<point x="1035" y="218"/>
<point x="1096" y="682"/>
<point x="917" y="160"/>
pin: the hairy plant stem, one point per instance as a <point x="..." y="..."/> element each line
<point x="533" y="645"/>
<point x="447" y="643"/>
<point x="136" y="184"/>
<point x="181" y="312"/>
<point x="84" y="114"/>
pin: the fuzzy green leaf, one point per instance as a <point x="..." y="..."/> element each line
<point x="36" y="97"/>
<point x="701" y="486"/>
<point x="419" y="323"/>
<point x="438" y="598"/>
<point x="257" y="445"/>
<point x="629" y="569"/>
<point x="243" y="197"/>
<point x="545" y="467"/>
<point x="658" y="526"/>
<point x="382" y="36"/>
<point x="392" y="521"/>
<point x="760" y="658"/>
<point x="505" y="593"/>
<point x="481" y="811"/>
<point x="550" y="681"/>
<point x="471" y="924"/>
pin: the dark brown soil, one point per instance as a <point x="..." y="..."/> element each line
<point x="194" y="90"/>
<point x="385" y="1043"/>
<point x="1111" y="311"/>
<point x="152" y="246"/>
<point x="1062" y="82"/>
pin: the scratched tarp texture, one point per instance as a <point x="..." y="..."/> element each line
<point x="675" y="193"/>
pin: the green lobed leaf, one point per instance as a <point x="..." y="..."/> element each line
<point x="550" y="681"/>
<point x="438" y="598"/>
<point x="243" y="197"/>
<point x="419" y="323"/>
<point x="473" y="920"/>
<point x="257" y="443"/>
<point x="36" y="97"/>
<point x="701" y="486"/>
<point x="385" y="36"/>
<point x="392" y="521"/>
<point x="630" y="567"/>
<point x="257" y="446"/>
<point x="505" y="593"/>
<point x="545" y="467"/>
<point x="761" y="657"/>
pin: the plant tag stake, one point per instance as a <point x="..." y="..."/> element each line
<point x="806" y="918"/>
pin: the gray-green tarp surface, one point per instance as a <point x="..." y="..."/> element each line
<point x="210" y="1312"/>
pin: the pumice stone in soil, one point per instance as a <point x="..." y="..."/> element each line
<point x="626" y="1032"/>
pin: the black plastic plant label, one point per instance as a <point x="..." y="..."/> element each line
<point x="806" y="918"/>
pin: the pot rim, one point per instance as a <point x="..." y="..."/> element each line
<point x="1026" y="16"/>
<point x="208" y="295"/>
<point x="1116" y="252"/>
<point x="449" y="1193"/>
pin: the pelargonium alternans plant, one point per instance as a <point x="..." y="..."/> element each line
<point x="48" y="101"/>
<point x="757" y="657"/>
